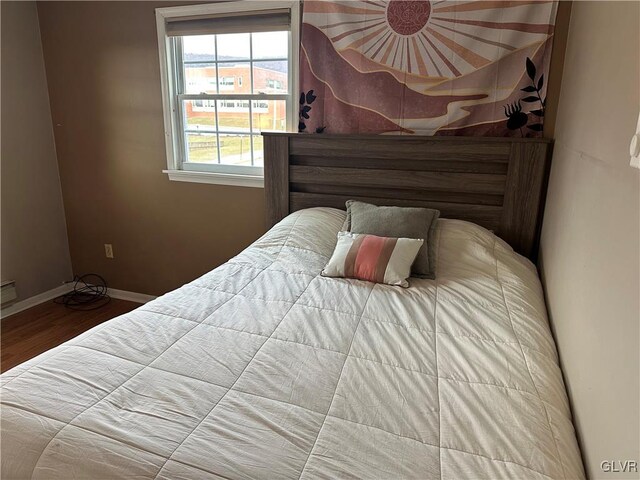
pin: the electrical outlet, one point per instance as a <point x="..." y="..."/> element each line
<point x="108" y="250"/>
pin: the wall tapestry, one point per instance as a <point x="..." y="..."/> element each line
<point x="476" y="68"/>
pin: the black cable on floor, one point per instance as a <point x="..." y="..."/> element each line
<point x="89" y="293"/>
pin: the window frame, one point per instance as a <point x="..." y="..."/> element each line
<point x="238" y="175"/>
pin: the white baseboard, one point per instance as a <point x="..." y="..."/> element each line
<point x="61" y="290"/>
<point x="130" y="296"/>
<point x="35" y="300"/>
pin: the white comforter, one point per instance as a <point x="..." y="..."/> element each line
<point x="264" y="369"/>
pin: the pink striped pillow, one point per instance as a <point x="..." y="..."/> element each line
<point x="375" y="259"/>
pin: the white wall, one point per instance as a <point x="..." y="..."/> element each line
<point x="34" y="249"/>
<point x="590" y="243"/>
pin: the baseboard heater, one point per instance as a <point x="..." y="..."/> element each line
<point x="8" y="292"/>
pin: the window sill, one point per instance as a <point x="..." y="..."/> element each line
<point x="254" y="181"/>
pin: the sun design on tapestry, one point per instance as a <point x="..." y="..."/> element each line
<point x="444" y="39"/>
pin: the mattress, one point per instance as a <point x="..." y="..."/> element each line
<point x="264" y="369"/>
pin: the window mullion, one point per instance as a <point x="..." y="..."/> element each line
<point x="178" y="73"/>
<point x="273" y="59"/>
<point x="215" y="102"/>
<point x="251" y="91"/>
<point x="239" y="96"/>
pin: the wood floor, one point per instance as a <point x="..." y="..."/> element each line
<point x="36" y="330"/>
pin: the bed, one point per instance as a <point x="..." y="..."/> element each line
<point x="262" y="368"/>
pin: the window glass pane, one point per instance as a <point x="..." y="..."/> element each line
<point x="233" y="115"/>
<point x="227" y="130"/>
<point x="200" y="78"/>
<point x="270" y="77"/>
<point x="202" y="147"/>
<point x="234" y="77"/>
<point x="199" y="115"/>
<point x="233" y="46"/>
<point x="269" y="115"/>
<point x="235" y="149"/>
<point x="258" y="150"/>
<point x="199" y="48"/>
<point x="270" y="44"/>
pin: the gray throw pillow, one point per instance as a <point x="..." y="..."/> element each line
<point x="406" y="222"/>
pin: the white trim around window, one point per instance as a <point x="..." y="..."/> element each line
<point x="216" y="178"/>
<point x="178" y="167"/>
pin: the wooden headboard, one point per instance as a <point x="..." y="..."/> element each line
<point x="499" y="183"/>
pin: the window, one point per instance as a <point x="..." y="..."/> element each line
<point x="229" y="71"/>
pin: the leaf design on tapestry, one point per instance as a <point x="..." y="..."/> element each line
<point x="516" y="118"/>
<point x="310" y="97"/>
<point x="535" y="87"/>
<point x="305" y="100"/>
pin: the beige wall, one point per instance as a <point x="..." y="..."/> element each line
<point x="34" y="249"/>
<point x="591" y="236"/>
<point x="104" y="83"/>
